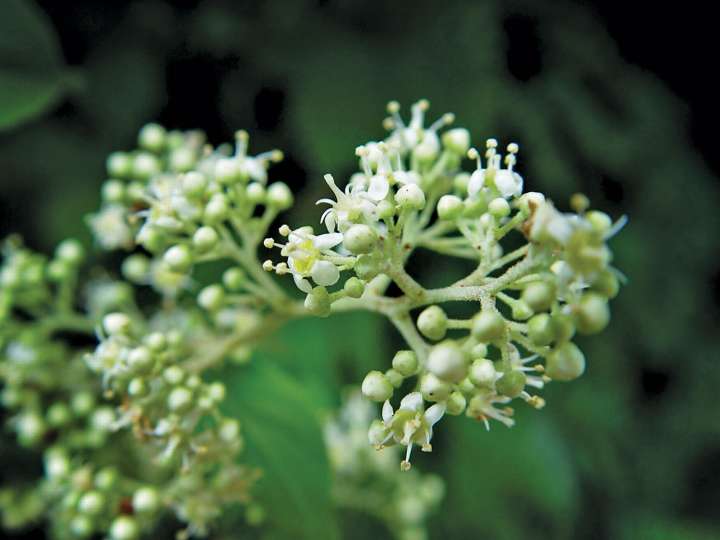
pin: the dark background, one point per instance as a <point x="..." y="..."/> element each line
<point x="617" y="100"/>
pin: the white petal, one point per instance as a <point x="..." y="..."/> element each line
<point x="387" y="411"/>
<point x="302" y="283"/>
<point x="325" y="273"/>
<point x="412" y="402"/>
<point x="327" y="241"/>
<point x="434" y="413"/>
<point x="477" y="180"/>
<point x="379" y="187"/>
<point x="509" y="184"/>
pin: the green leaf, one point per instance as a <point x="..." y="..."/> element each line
<point x="31" y="68"/>
<point x="284" y="438"/>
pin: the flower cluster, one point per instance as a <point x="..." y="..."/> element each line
<point x="411" y="192"/>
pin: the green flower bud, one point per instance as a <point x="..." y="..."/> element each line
<point x="256" y="193"/>
<point x="178" y="258"/>
<point x="71" y="251"/>
<point x="211" y="298"/>
<point x="144" y="166"/>
<point x="499" y="208"/>
<point x="377" y="387"/>
<point x="592" y="313"/>
<point x="479" y="350"/>
<point x="410" y="197"/>
<point x="30" y="428"/>
<point x="146" y="500"/>
<point x="541" y="329"/>
<point x="234" y="278"/>
<point x="488" y="325"/>
<point x="606" y="284"/>
<point x="460" y="183"/>
<point x="457" y="141"/>
<point x="156" y="341"/>
<point x="152" y="239"/>
<point x="140" y="359"/>
<point x="116" y="323"/>
<point x="385" y="209"/>
<point x="229" y="430"/>
<point x="124" y="528"/>
<point x="106" y="478"/>
<point x="563" y="326"/>
<point x="58" y="415"/>
<point x="91" y="503"/>
<point x="360" y="239"/>
<point x="449" y="207"/>
<point x="456" y="403"/>
<point x="521" y="311"/>
<point x="205" y="239"/>
<point x="448" y="362"/>
<point x="173" y="375"/>
<point x="354" y="287"/>
<point x="119" y="165"/>
<point x="193" y="185"/>
<point x="152" y="137"/>
<point x="279" y="196"/>
<point x="432" y="323"/>
<point x="82" y="403"/>
<point x="81" y="526"/>
<point x="137" y="387"/>
<point x="405" y="362"/>
<point x="599" y="221"/>
<point x="180" y="399"/>
<point x="586" y="252"/>
<point x="511" y="384"/>
<point x="482" y="373"/>
<point x="395" y="377"/>
<point x="565" y="363"/>
<point x="474" y="207"/>
<point x="113" y="191"/>
<point x="227" y="170"/>
<point x="539" y="295"/>
<point x="433" y="388"/>
<point x="59" y="270"/>
<point x="367" y="267"/>
<point x="136" y="268"/>
<point x="317" y="302"/>
<point x="217" y="209"/>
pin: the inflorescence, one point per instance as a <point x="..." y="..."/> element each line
<point x="134" y="390"/>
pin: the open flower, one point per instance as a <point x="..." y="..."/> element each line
<point x="352" y="205"/>
<point x="506" y="181"/>
<point x="411" y="423"/>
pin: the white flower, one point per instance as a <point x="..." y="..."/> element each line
<point x="414" y="134"/>
<point x="411" y="424"/>
<point x="507" y="182"/>
<point x="306" y="254"/>
<point x="482" y="407"/>
<point x="549" y="224"/>
<point x="110" y="228"/>
<point x="348" y="207"/>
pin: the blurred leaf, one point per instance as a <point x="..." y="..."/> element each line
<point x="284" y="439"/>
<point x="31" y="68"/>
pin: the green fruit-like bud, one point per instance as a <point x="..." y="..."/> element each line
<point x="541" y="329"/>
<point x="71" y="251"/>
<point x="456" y="403"/>
<point x="180" y="399"/>
<point x="586" y="252"/>
<point x="448" y="362"/>
<point x="606" y="284"/>
<point x="457" y="141"/>
<point x="234" y="278"/>
<point x="152" y="137"/>
<point x="205" y="238"/>
<point x="599" y="221"/>
<point x="317" y="302"/>
<point x="521" y="311"/>
<point x="410" y="197"/>
<point x="592" y="313"/>
<point x="360" y="239"/>
<point x="539" y="295"/>
<point x="140" y="359"/>
<point x="482" y="373"/>
<point x="58" y="415"/>
<point x="395" y="377"/>
<point x="178" y="258"/>
<point x="91" y="503"/>
<point x="136" y="268"/>
<point x="433" y="388"/>
<point x="564" y="327"/>
<point x="511" y="384"/>
<point x="146" y="500"/>
<point x="488" y="325"/>
<point x="354" y="287"/>
<point x="106" y="478"/>
<point x="377" y="387"/>
<point x="499" y="208"/>
<point x="367" y="267"/>
<point x="449" y="207"/>
<point x="479" y="350"/>
<point x="144" y="166"/>
<point x="211" y="297"/>
<point x="194" y="184"/>
<point x="113" y="191"/>
<point x="432" y="323"/>
<point x="460" y="183"/>
<point x="124" y="528"/>
<point x="474" y="207"/>
<point x="119" y="165"/>
<point x="279" y="196"/>
<point x="385" y="209"/>
<point x="405" y="363"/>
<point x="217" y="209"/>
<point x="565" y="363"/>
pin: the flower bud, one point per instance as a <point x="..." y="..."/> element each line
<point x="563" y="326"/>
<point x="541" y="329"/>
<point x="448" y="362"/>
<point x="178" y="257"/>
<point x="182" y="160"/>
<point x="460" y="183"/>
<point x="474" y="207"/>
<point x="385" y="209"/>
<point x="410" y="197"/>
<point x="591" y="314"/>
<point x="376" y="386"/>
<point x="136" y="268"/>
<point x="227" y="170"/>
<point x="456" y="403"/>
<point x="511" y="384"/>
<point x="395" y="377"/>
<point x="217" y="208"/>
<point x="116" y="323"/>
<point x="58" y="414"/>
<point x="354" y="287"/>
<point x="479" y="350"/>
<point x="211" y="298"/>
<point x="367" y="267"/>
<point x="256" y="193"/>
<point x="499" y="208"/>
<point x="124" y="528"/>
<point x="194" y="184"/>
<point x="180" y="399"/>
<point x="119" y="165"/>
<point x="140" y="359"/>
<point x="606" y="284"/>
<point x="360" y="239"/>
<point x="234" y="278"/>
<point x="279" y="196"/>
<point x="539" y="295"/>
<point x="432" y="323"/>
<point x="482" y="373"/>
<point x="152" y="137"/>
<point x="457" y="141"/>
<point x="137" y="387"/>
<point x="146" y="500"/>
<point x="599" y="221"/>
<point x="488" y="325"/>
<point x="317" y="302"/>
<point x="405" y="362"/>
<point x="521" y="311"/>
<point x="433" y="388"/>
<point x="205" y="239"/>
<point x="229" y="430"/>
<point x="144" y="166"/>
<point x="325" y="273"/>
<point x="449" y="207"/>
<point x="565" y="363"/>
<point x="91" y="503"/>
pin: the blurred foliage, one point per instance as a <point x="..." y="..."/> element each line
<point x="630" y="451"/>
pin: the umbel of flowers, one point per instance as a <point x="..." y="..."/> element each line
<point x="135" y="390"/>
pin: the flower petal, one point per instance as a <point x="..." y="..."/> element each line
<point x="434" y="413"/>
<point x="327" y="241"/>
<point x="325" y="273"/>
<point x="387" y="411"/>
<point x="412" y="402"/>
<point x="379" y="187"/>
<point x="302" y="283"/>
<point x="477" y="181"/>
